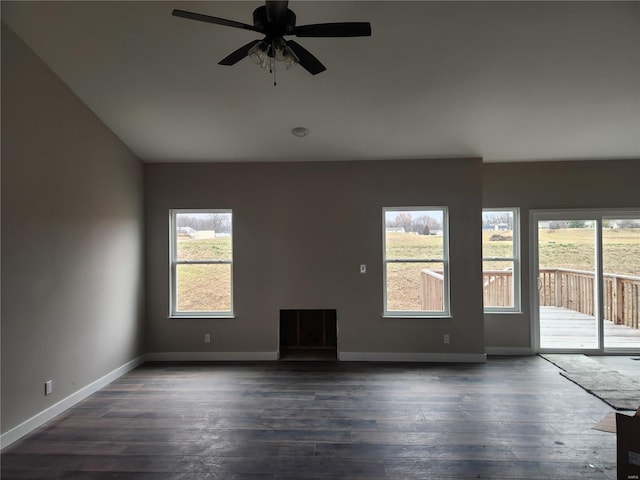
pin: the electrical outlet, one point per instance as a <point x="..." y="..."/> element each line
<point x="445" y="338"/>
<point x="48" y="387"/>
<point x="207" y="338"/>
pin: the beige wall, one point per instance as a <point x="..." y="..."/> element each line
<point x="301" y="230"/>
<point x="71" y="240"/>
<point x="550" y="185"/>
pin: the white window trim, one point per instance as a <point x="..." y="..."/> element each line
<point x="517" y="277"/>
<point x="446" y="312"/>
<point x="173" y="268"/>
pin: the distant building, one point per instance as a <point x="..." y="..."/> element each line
<point x="186" y="232"/>
<point x="491" y="227"/>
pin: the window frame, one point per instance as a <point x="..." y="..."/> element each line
<point x="445" y="261"/>
<point x="516" y="259"/>
<point x="173" y="263"/>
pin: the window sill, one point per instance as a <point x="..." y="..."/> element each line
<point x="205" y="316"/>
<point x="407" y="316"/>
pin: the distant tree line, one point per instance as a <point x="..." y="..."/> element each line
<point x="218" y="222"/>
<point x="498" y="218"/>
<point x="423" y="225"/>
<point x="588" y="224"/>
<point x="621" y="223"/>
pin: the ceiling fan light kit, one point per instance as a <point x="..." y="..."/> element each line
<point x="265" y="54"/>
<point x="275" y="21"/>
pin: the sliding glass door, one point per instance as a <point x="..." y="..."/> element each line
<point x="586" y="267"/>
<point x="621" y="282"/>
<point x="566" y="281"/>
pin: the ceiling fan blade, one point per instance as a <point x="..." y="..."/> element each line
<point x="218" y="21"/>
<point x="238" y="55"/>
<point x="306" y="60"/>
<point x="346" y="29"/>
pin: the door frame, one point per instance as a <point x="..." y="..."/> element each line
<point x="534" y="301"/>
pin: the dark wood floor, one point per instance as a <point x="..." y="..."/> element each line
<point x="512" y="418"/>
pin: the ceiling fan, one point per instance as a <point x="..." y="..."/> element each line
<point x="275" y="21"/>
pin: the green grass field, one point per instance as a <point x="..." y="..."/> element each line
<point x="566" y="248"/>
<point x="574" y="248"/>
<point x="204" y="287"/>
<point x="218" y="248"/>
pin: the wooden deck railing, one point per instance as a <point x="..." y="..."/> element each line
<point x="497" y="286"/>
<point x="559" y="287"/>
<point x="622" y="300"/>
<point x="574" y="289"/>
<point x="431" y="290"/>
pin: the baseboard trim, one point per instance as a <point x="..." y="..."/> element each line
<point x="412" y="357"/>
<point x="515" y="351"/>
<point x="210" y="356"/>
<point x="43" y="417"/>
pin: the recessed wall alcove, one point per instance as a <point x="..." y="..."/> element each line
<point x="308" y="334"/>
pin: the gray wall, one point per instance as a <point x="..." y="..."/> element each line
<point x="72" y="240"/>
<point x="550" y="185"/>
<point x="301" y="230"/>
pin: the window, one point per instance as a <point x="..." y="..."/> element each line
<point x="501" y="259"/>
<point x="201" y="263"/>
<point x="416" y="264"/>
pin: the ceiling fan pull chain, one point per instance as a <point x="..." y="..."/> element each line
<point x="273" y="63"/>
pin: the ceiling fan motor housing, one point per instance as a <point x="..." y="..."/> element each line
<point x="274" y="22"/>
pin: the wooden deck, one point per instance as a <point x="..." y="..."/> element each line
<point x="561" y="328"/>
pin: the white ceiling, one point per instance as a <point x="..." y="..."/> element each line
<point x="505" y="81"/>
